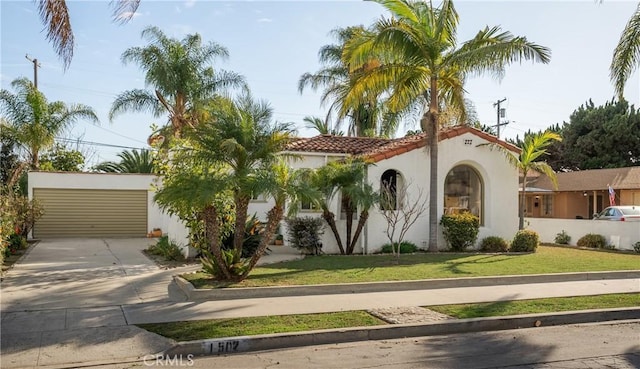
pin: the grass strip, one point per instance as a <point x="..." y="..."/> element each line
<point x="331" y="269"/>
<point x="220" y="328"/>
<point x="217" y="328"/>
<point x="548" y="305"/>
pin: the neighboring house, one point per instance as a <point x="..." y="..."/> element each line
<point x="472" y="178"/>
<point x="580" y="194"/>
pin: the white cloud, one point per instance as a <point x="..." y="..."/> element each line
<point x="189" y="3"/>
<point x="265" y="20"/>
<point x="128" y="16"/>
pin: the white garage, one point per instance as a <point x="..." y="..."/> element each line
<point x="94" y="204"/>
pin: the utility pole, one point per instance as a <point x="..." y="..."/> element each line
<point x="36" y="65"/>
<point x="498" y="113"/>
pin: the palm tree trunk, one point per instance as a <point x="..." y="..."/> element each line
<point x="212" y="233"/>
<point x="349" y="213"/>
<point x="364" y="215"/>
<point x="242" y="206"/>
<point x="274" y="216"/>
<point x="330" y="218"/>
<point x="432" y="136"/>
<point x="523" y="200"/>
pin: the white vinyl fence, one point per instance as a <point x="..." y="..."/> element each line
<point x="622" y="235"/>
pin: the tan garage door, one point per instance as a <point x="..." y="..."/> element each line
<point x="91" y="213"/>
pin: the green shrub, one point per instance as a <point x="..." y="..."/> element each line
<point x="460" y="230"/>
<point x="636" y="247"/>
<point x="563" y="238"/>
<point x="406" y="247"/>
<point x="525" y="241"/>
<point x="167" y="249"/>
<point x="16" y="242"/>
<point x="594" y="241"/>
<point x="304" y="233"/>
<point x="494" y="244"/>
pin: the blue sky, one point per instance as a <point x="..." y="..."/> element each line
<point x="272" y="43"/>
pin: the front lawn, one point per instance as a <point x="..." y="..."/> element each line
<point x="371" y="268"/>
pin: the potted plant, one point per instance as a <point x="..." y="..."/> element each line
<point x="279" y="240"/>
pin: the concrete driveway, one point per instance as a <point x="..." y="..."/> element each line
<point x="67" y="273"/>
<point x="63" y="302"/>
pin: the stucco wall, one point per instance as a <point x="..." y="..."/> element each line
<point x="106" y="181"/>
<point x="500" y="185"/>
<point x="620" y="234"/>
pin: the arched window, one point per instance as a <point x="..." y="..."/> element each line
<point x="463" y="192"/>
<point x="389" y="184"/>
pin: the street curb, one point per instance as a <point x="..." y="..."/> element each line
<point x="194" y="294"/>
<point x="230" y="345"/>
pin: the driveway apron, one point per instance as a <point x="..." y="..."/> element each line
<point x="62" y="303"/>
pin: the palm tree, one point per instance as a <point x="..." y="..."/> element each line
<point x="322" y="126"/>
<point x="366" y="116"/>
<point x="55" y="16"/>
<point x="626" y="55"/>
<point x="345" y="178"/>
<point x="181" y="78"/>
<point x="420" y="60"/>
<point x="133" y="161"/>
<point x="34" y="122"/>
<point x="533" y="148"/>
<point x="234" y="154"/>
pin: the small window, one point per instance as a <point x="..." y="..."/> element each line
<point x="308" y="206"/>
<point x="547" y="205"/>
<point x="389" y="190"/>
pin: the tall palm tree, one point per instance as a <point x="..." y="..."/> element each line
<point x="180" y="77"/>
<point x="133" y="161"/>
<point x="34" y="122"/>
<point x="533" y="149"/>
<point x="366" y="116"/>
<point x="420" y="59"/>
<point x="626" y="55"/>
<point x="55" y="16"/>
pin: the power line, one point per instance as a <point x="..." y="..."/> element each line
<point x="92" y="143"/>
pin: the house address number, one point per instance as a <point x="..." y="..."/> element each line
<point x="223" y="347"/>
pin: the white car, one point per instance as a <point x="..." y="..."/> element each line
<point x="620" y="213"/>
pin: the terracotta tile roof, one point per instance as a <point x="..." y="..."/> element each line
<point x="378" y="149"/>
<point x="593" y="180"/>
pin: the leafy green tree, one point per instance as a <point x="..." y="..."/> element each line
<point x="366" y="116"/>
<point x="420" y="60"/>
<point x="346" y="181"/>
<point x="133" y="161"/>
<point x="606" y="136"/>
<point x="626" y="55"/>
<point x="229" y="158"/>
<point x="34" y="122"/>
<point x="61" y="159"/>
<point x="180" y="78"/>
<point x="534" y="147"/>
<point x="10" y="165"/>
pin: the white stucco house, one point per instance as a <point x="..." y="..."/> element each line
<point x="472" y="178"/>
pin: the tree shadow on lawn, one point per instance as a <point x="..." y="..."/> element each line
<point x="454" y="265"/>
